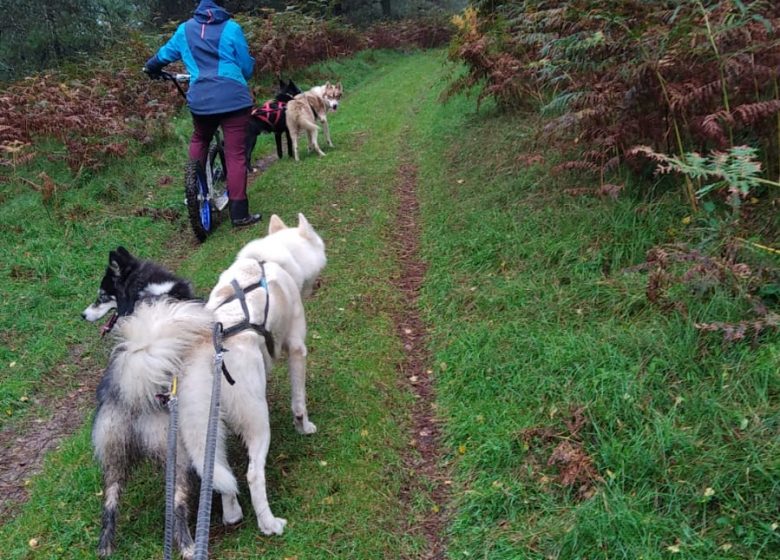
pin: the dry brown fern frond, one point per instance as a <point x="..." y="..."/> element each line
<point x="712" y="128"/>
<point x="752" y="113"/>
<point x="689" y="97"/>
<point x="576" y="166"/>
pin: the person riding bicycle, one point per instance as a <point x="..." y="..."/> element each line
<point x="216" y="55"/>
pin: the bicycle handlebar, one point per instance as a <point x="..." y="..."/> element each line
<point x="173" y="77"/>
<point x="177" y="79"/>
<point x="181" y="78"/>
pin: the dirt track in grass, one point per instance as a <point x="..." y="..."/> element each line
<point x="24" y="446"/>
<point x="427" y="473"/>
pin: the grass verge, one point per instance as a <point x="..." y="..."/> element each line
<point x="585" y="421"/>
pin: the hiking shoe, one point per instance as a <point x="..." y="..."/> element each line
<point x="240" y="216"/>
<point x="248" y="221"/>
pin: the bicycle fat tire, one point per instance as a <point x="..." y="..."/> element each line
<point x="198" y="208"/>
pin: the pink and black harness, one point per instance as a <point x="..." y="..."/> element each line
<point x="272" y="114"/>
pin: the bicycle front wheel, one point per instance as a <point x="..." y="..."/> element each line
<point x="198" y="206"/>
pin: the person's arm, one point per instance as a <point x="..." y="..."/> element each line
<point x="245" y="60"/>
<point x="169" y="52"/>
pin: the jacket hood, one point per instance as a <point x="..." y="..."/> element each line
<point x="209" y="12"/>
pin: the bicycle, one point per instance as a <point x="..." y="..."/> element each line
<point x="205" y="187"/>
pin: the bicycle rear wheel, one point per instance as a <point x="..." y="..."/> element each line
<point x="216" y="175"/>
<point x="198" y="206"/>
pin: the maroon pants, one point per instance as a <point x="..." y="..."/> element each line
<point x="234" y="130"/>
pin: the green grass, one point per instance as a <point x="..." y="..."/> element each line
<point x="530" y="317"/>
<point x="527" y="325"/>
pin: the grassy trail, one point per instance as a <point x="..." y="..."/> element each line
<point x="577" y="419"/>
<point x="347" y="491"/>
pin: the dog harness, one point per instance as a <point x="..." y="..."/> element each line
<point x="240" y="295"/>
<point x="271" y="113"/>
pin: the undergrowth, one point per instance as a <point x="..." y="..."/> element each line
<point x="678" y="76"/>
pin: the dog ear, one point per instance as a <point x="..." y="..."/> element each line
<point x="120" y="260"/>
<point x="275" y="224"/>
<point x="114" y="263"/>
<point x="304" y="227"/>
<point x="124" y="252"/>
<point x="282" y="85"/>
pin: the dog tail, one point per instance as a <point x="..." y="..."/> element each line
<point x="154" y="342"/>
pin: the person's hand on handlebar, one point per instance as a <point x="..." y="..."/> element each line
<point x="153" y="74"/>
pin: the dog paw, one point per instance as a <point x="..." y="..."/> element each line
<point x="188" y="552"/>
<point x="233" y="518"/>
<point x="304" y="427"/>
<point x="272" y="525"/>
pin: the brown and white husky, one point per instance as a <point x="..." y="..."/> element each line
<point x="307" y="109"/>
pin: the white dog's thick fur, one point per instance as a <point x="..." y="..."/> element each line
<point x="164" y="338"/>
<point x="299" y="251"/>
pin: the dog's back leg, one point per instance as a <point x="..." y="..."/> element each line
<point x="312" y="133"/>
<point x="326" y="130"/>
<point x="111" y="438"/>
<point x="258" y="442"/>
<point x="248" y="415"/>
<point x="289" y="142"/>
<point x="194" y="401"/>
<point x="278" y="138"/>
<point x="114" y="479"/>
<point x="294" y="133"/>
<point x="181" y="510"/>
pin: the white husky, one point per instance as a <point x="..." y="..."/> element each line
<point x="259" y="303"/>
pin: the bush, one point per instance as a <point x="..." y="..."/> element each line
<point x="679" y="76"/>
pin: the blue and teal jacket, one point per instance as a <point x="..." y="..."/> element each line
<point x="215" y="53"/>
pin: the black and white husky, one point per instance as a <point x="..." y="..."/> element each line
<point x="258" y="300"/>
<point x="127" y="281"/>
